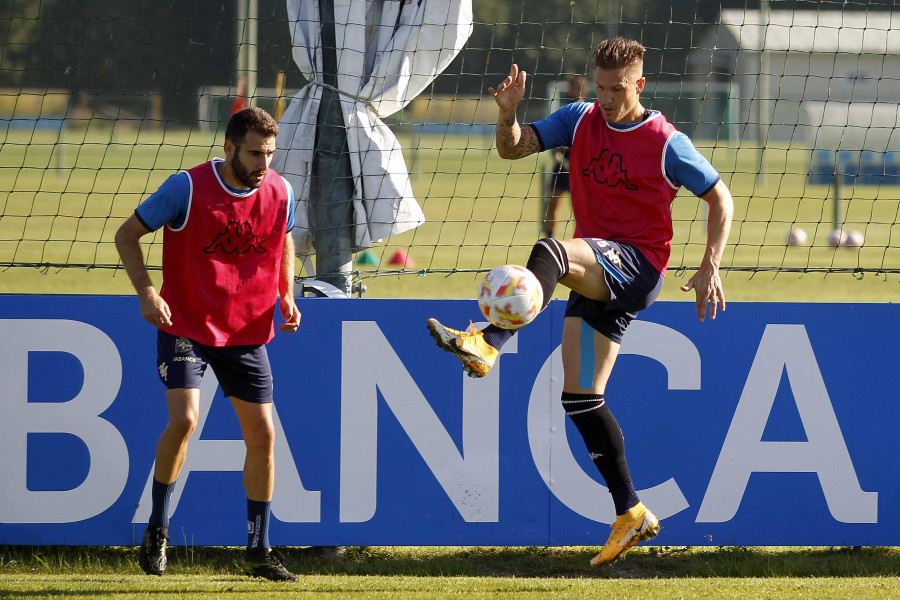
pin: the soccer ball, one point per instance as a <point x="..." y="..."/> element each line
<point x="854" y="239"/>
<point x="837" y="238"/>
<point x="797" y="237"/>
<point x="510" y="296"/>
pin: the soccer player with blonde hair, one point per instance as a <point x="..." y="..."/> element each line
<point x="626" y="165"/>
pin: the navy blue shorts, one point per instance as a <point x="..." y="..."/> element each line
<point x="243" y="371"/>
<point x="633" y="281"/>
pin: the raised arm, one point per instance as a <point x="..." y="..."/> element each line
<point x="513" y="141"/>
<point x="706" y="282"/>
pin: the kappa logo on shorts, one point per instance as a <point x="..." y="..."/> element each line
<point x="183" y="345"/>
<point x="612" y="255"/>
<point x="164" y="371"/>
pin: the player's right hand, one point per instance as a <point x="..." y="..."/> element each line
<point x="155" y="310"/>
<point x="510" y="91"/>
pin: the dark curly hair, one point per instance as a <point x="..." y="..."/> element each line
<point x="250" y="119"/>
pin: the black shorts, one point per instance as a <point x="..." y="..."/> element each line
<point x="243" y="371"/>
<point x="633" y="282"/>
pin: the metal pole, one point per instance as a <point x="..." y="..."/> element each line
<point x="252" y="44"/>
<point x="614" y="9"/>
<point x="247" y="43"/>
<point x="837" y="180"/>
<point x="241" y="66"/>
<point x="332" y="180"/>
<point x="762" y="88"/>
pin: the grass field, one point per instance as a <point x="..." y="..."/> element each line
<point x="481" y="211"/>
<point x="450" y="572"/>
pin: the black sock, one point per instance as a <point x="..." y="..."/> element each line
<point x="549" y="263"/>
<point x="624" y="497"/>
<point x="159" y="503"/>
<point x="257" y="525"/>
<point x="604" y="440"/>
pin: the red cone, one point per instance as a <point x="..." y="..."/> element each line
<point x="400" y="258"/>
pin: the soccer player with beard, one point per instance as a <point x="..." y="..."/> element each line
<point x="227" y="256"/>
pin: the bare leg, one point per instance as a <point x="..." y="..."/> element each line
<point x="259" y="437"/>
<point x="605" y="353"/>
<point x="184" y="408"/>
<point x="584" y="387"/>
<point x="585" y="273"/>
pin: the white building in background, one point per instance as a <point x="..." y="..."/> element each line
<point x="823" y="79"/>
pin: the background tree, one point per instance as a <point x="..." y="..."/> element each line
<point x="126" y="50"/>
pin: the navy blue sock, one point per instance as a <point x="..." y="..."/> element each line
<point x="159" y="511"/>
<point x="257" y="525"/>
<point x="496" y="336"/>
<point x="624" y="497"/>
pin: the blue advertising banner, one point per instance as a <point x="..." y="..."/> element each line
<point x="772" y="425"/>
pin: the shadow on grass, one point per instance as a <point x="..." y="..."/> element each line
<point x="642" y="562"/>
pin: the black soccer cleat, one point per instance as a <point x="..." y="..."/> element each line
<point x="152" y="554"/>
<point x="267" y="564"/>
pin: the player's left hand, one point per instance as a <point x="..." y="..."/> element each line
<point x="707" y="286"/>
<point x="291" y="315"/>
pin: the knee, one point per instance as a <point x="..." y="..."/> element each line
<point x="182" y="426"/>
<point x="260" y="436"/>
<point x="536" y="247"/>
<point x="549" y="254"/>
<point x="539" y="249"/>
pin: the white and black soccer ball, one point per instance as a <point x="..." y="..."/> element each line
<point x="510" y="296"/>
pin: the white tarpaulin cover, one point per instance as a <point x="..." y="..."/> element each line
<point x="388" y="52"/>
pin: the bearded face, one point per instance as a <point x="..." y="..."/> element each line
<point x="249" y="161"/>
<point x="249" y="176"/>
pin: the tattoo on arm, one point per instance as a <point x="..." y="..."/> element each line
<point x="528" y="144"/>
<point x="514" y="141"/>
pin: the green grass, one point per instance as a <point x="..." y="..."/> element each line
<point x="453" y="572"/>
<point x="481" y="211"/>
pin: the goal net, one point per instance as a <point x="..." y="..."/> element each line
<point x="795" y="107"/>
